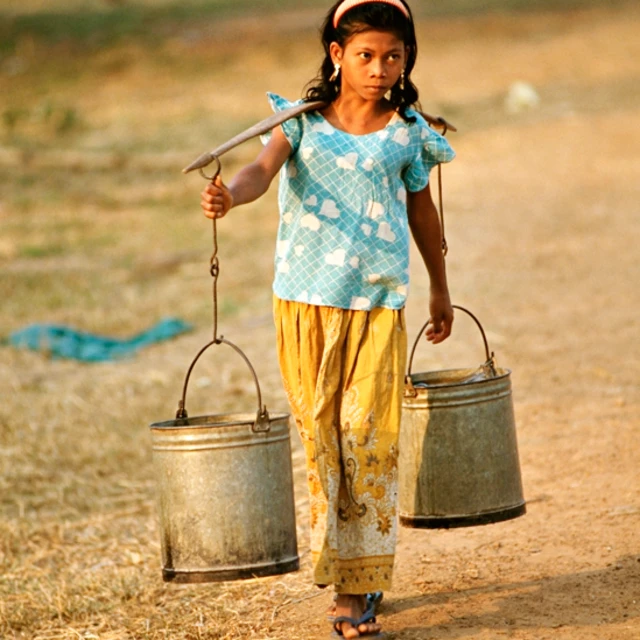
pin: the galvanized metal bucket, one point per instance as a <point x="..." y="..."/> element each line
<point x="459" y="464"/>
<point x="225" y="489"/>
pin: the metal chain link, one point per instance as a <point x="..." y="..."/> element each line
<point x="445" y="246"/>
<point x="214" y="262"/>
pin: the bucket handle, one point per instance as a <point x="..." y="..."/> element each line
<point x="261" y="424"/>
<point x="489" y="366"/>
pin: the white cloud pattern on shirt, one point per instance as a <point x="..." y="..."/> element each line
<point x="401" y="136"/>
<point x="336" y="258"/>
<point x="375" y="210"/>
<point x="348" y="162"/>
<point x="385" y="233"/>
<point x="360" y="304"/>
<point x="323" y="127"/>
<point x="310" y="222"/>
<point x="329" y="209"/>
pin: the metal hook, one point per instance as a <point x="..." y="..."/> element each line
<point x="445" y="126"/>
<point x="216" y="174"/>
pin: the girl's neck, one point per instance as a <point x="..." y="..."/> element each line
<point x="357" y="116"/>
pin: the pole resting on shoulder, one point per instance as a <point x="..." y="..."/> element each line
<point x="277" y="119"/>
<point x="439" y="121"/>
<point x="257" y="130"/>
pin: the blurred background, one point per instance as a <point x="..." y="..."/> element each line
<point x="102" y="102"/>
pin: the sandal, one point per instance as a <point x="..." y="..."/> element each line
<point x="368" y="616"/>
<point x="373" y="601"/>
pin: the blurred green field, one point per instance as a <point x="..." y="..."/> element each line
<point x="61" y="64"/>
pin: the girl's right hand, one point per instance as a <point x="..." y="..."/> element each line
<point x="216" y="199"/>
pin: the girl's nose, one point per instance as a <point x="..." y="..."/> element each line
<point x="378" y="70"/>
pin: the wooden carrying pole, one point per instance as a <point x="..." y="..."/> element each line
<point x="275" y="120"/>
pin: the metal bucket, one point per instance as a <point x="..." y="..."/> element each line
<point x="458" y="464"/>
<point x="225" y="489"/>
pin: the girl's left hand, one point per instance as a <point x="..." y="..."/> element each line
<point x="439" y="328"/>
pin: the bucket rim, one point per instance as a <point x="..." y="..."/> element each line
<point x="416" y="378"/>
<point x="218" y="420"/>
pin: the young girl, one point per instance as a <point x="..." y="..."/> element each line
<point x="354" y="181"/>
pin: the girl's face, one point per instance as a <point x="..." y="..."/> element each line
<point x="371" y="63"/>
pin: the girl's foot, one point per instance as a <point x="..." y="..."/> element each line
<point x="353" y="607"/>
<point x="373" y="602"/>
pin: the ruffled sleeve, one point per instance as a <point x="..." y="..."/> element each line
<point x="292" y="128"/>
<point x="432" y="149"/>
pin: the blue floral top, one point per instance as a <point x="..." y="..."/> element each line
<point x="343" y="239"/>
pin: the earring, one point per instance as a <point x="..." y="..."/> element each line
<point x="336" y="72"/>
<point x="402" y="81"/>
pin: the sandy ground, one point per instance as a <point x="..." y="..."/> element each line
<point x="542" y="213"/>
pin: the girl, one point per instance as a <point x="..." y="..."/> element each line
<point x="354" y="181"/>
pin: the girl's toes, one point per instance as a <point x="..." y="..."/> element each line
<point x="369" y="628"/>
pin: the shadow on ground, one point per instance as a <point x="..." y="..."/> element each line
<point x="547" y="603"/>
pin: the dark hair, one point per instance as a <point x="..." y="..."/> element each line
<point x="377" y="16"/>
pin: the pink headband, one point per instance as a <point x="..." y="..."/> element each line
<point x="350" y="4"/>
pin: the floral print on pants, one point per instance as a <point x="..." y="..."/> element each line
<point x="343" y="372"/>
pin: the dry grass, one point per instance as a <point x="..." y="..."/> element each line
<point x="104" y="240"/>
<point x="79" y="552"/>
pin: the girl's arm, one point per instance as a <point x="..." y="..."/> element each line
<point x="250" y="183"/>
<point x="426" y="231"/>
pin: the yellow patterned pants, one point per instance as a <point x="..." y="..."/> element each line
<point x="343" y="374"/>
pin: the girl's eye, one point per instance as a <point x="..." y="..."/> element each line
<point x="365" y="56"/>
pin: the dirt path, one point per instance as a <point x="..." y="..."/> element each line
<point x="543" y="225"/>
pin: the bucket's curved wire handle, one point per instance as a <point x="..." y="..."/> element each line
<point x="261" y="424"/>
<point x="489" y="366"/>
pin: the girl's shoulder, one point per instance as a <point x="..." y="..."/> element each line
<point x="435" y="148"/>
<point x="416" y="116"/>
<point x="278" y="103"/>
<point x="292" y="127"/>
<point x="420" y="124"/>
<point x="431" y="142"/>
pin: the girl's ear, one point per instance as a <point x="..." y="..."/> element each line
<point x="336" y="52"/>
